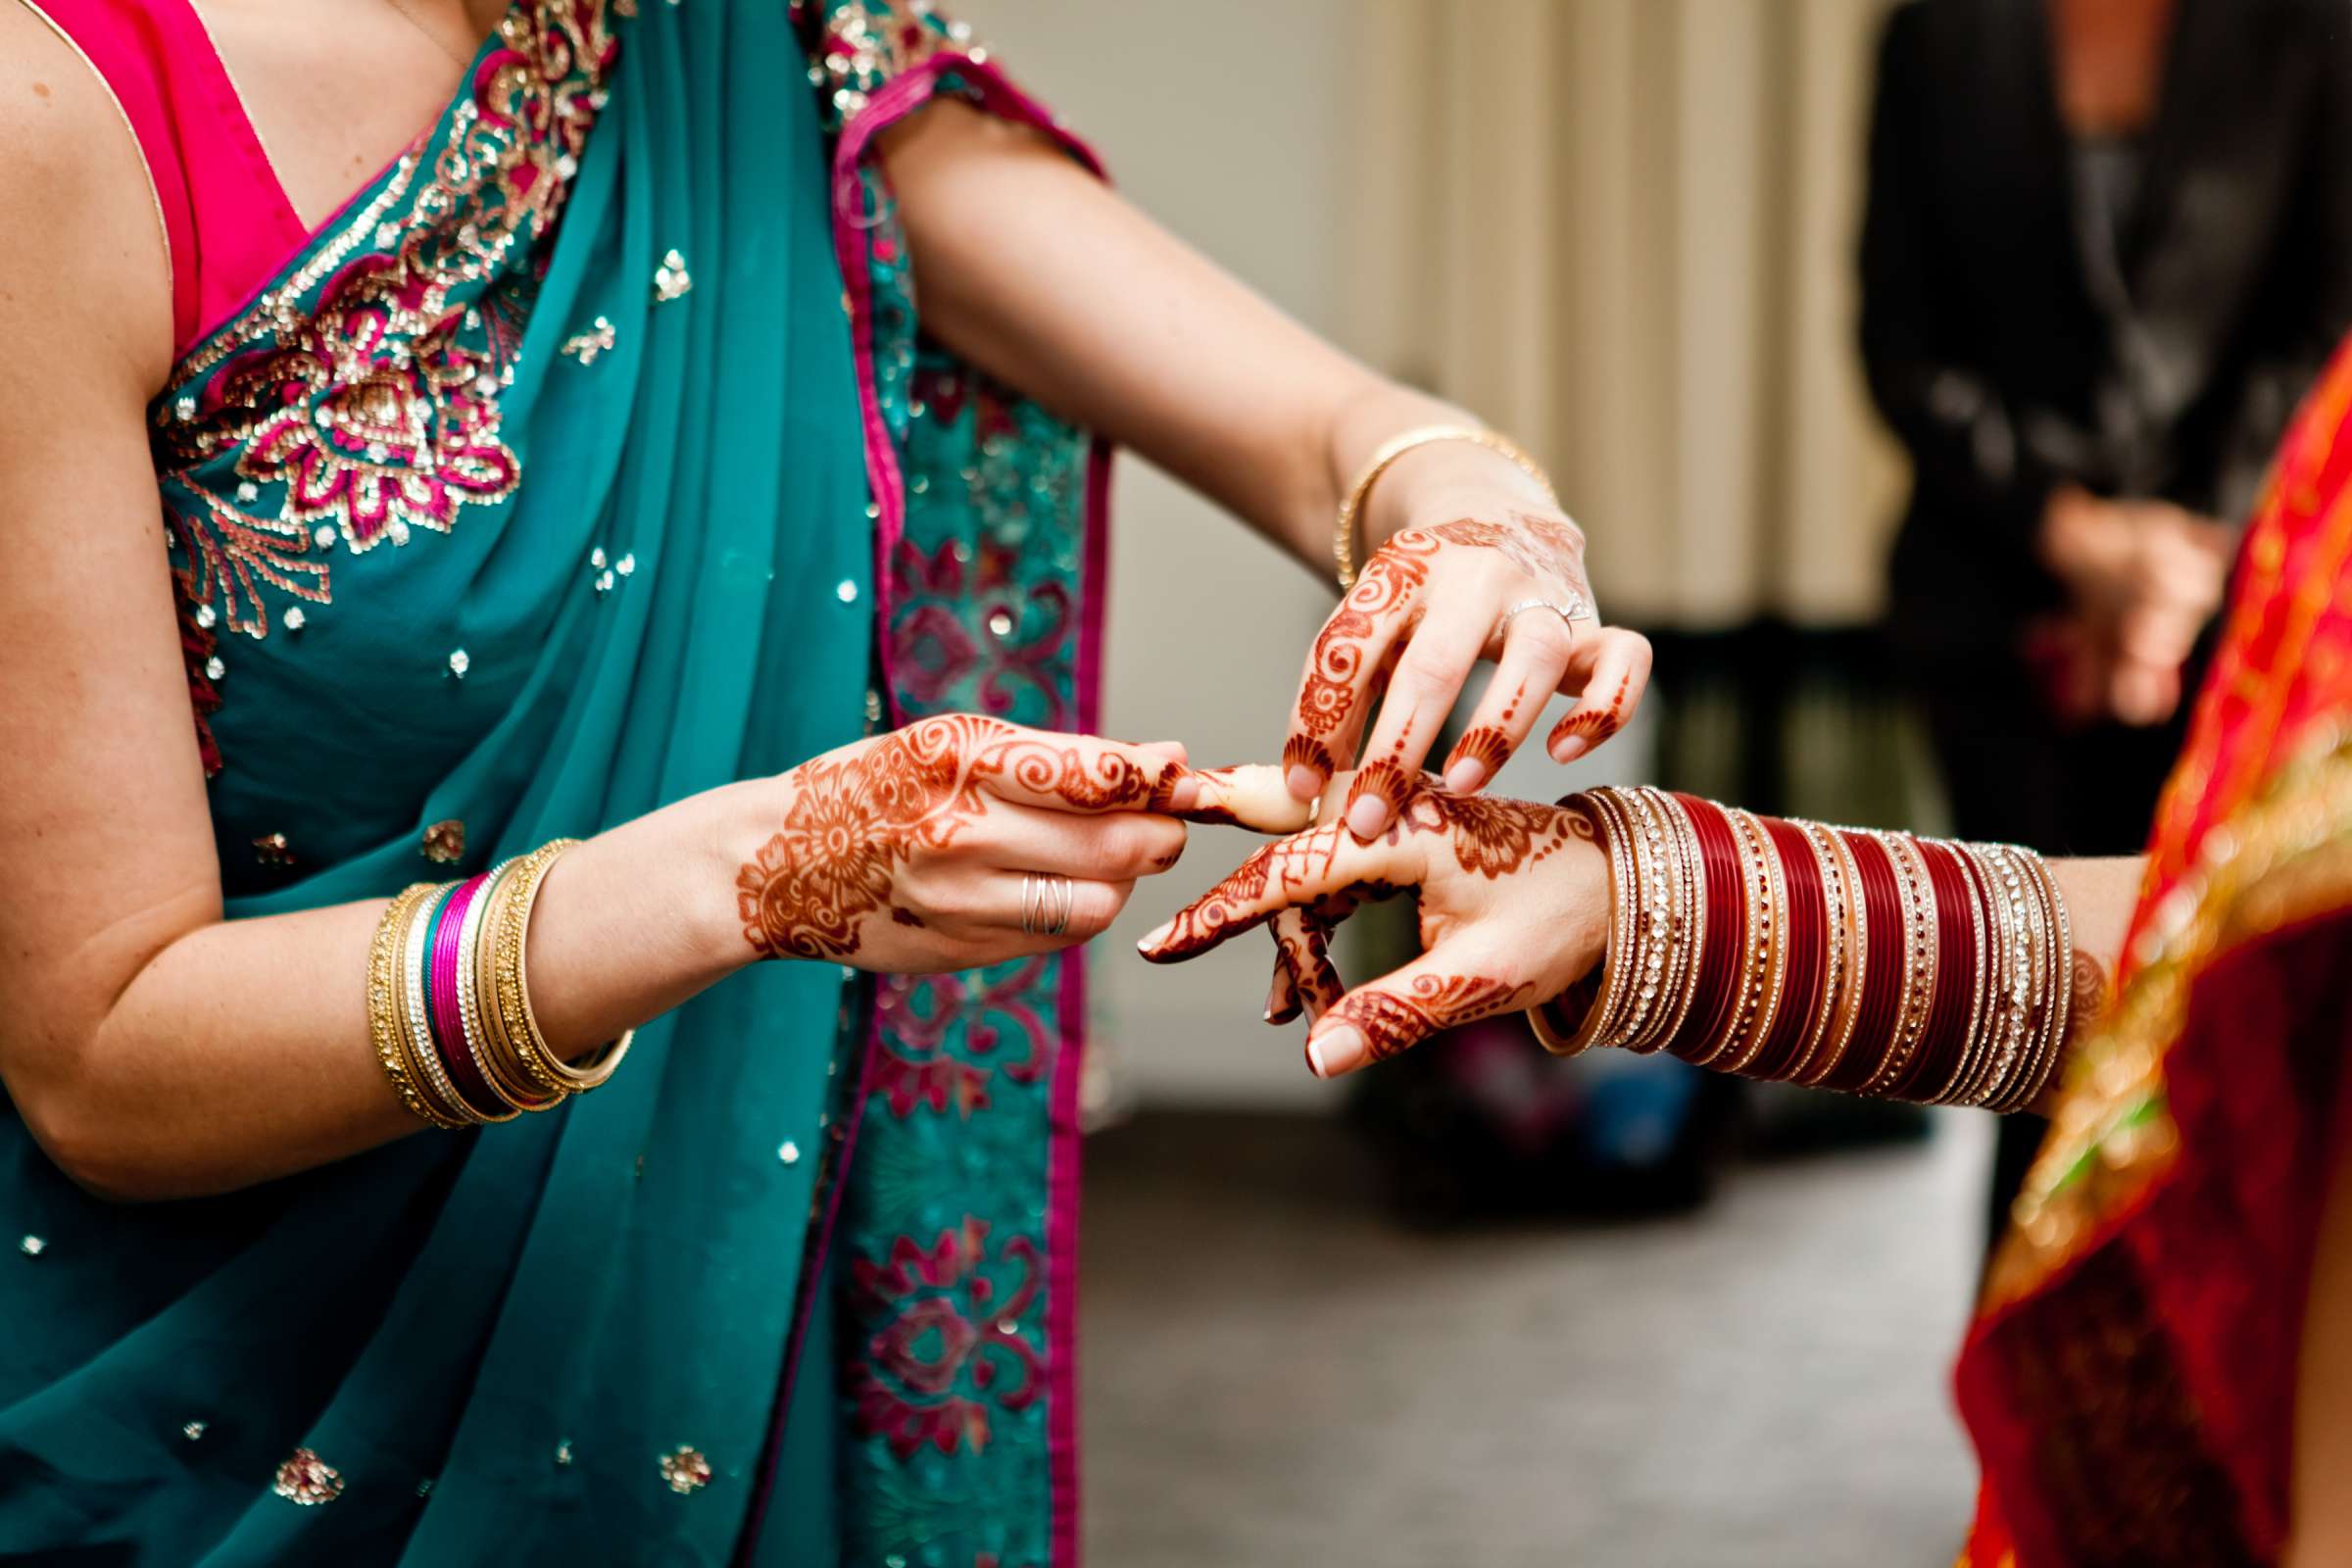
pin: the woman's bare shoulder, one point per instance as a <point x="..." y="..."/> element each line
<point x="85" y="266"/>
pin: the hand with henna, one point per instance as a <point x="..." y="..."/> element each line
<point x="1432" y="601"/>
<point x="912" y="852"/>
<point x="1513" y="905"/>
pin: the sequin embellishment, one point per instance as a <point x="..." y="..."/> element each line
<point x="444" y="842"/>
<point x="357" y="399"/>
<point x="308" y="1479"/>
<point x="586" y="346"/>
<point x="670" y="279"/>
<point x="32" y="1247"/>
<point x="271" y="848"/>
<point x="192" y="1431"/>
<point x="686" y="1470"/>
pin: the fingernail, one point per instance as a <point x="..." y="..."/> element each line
<point x="1340" y="1050"/>
<point x="1156" y="937"/>
<point x="1304" y="783"/>
<point x="1183" y="793"/>
<point x="1569" y="750"/>
<point x="1465" y="775"/>
<point x="1367" y="816"/>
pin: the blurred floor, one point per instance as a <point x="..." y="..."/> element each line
<point x="1276" y="1375"/>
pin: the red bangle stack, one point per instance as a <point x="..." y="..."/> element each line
<point x="1877" y="964"/>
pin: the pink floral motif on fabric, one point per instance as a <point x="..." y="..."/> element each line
<point x="924" y="1061"/>
<point x="947" y="1349"/>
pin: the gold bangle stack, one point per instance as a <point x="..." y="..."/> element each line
<point x="1343" y="539"/>
<point x="448" y="1004"/>
<point x="1938" y="975"/>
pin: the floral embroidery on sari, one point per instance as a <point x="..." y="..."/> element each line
<point x="947" y="1348"/>
<point x="863" y="43"/>
<point x="358" y="399"/>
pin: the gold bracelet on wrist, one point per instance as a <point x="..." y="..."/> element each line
<point x="1343" y="540"/>
<point x="492" y="1041"/>
<point x="387" y="1017"/>
<point x="512" y="986"/>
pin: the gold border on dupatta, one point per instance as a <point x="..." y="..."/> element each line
<point x="2285" y="858"/>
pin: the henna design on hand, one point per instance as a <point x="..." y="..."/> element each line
<point x="1594" y="724"/>
<point x="1487" y="745"/>
<point x="1541" y="547"/>
<point x="1303" y="751"/>
<point x="1303" y="959"/>
<point x="1492" y="838"/>
<point x="1338" y="687"/>
<point x="852" y="819"/>
<point x="1393" y="576"/>
<point x="1383" y="780"/>
<point x="1391" y="1024"/>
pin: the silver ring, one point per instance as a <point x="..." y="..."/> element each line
<point x="1575" y="610"/>
<point x="1047" y="902"/>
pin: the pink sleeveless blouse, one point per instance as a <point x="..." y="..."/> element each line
<point x="227" y="220"/>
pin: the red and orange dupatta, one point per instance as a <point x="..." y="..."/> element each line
<point x="2129" y="1381"/>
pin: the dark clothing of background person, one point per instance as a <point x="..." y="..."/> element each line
<point x="2136" y="316"/>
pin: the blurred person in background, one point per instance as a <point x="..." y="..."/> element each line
<point x="2161" y="1369"/>
<point x="2108" y="244"/>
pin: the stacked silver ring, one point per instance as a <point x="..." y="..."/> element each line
<point x="1575" y="610"/>
<point x="1047" y="900"/>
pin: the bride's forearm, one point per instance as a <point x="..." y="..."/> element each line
<point x="242" y="1051"/>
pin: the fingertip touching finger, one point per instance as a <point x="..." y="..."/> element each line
<point x="1252" y="796"/>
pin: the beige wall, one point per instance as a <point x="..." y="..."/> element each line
<point x="1619" y="228"/>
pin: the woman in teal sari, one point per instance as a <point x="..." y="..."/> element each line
<point x="590" y="473"/>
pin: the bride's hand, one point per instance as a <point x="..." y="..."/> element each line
<point x="1475" y="577"/>
<point x="917" y="851"/>
<point x="1513" y="902"/>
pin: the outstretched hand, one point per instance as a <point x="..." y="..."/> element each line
<point x="1513" y="908"/>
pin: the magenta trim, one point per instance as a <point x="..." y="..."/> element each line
<point x="1069" y="1069"/>
<point x="898" y="98"/>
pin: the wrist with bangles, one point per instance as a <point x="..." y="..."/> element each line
<point x="1878" y="964"/>
<point x="448" y="1004"/>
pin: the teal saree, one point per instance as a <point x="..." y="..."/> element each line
<point x="551" y="483"/>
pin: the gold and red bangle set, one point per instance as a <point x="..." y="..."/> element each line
<point x="1877" y="964"/>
